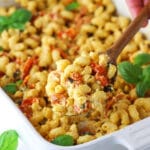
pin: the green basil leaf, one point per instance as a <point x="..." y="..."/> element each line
<point x="18" y="25"/>
<point x="21" y="16"/>
<point x="142" y="87"/>
<point x="142" y="59"/>
<point x="17" y="20"/>
<point x="10" y="88"/>
<point x="19" y="82"/>
<point x="131" y="73"/>
<point x="3" y="27"/>
<point x="63" y="140"/>
<point x="4" y="23"/>
<point x="72" y="6"/>
<point x="146" y="71"/>
<point x="1" y="49"/>
<point x="4" y="20"/>
<point x="9" y="140"/>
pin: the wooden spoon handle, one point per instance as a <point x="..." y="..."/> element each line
<point x="128" y="34"/>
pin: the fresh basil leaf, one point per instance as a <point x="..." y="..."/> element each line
<point x="16" y="20"/>
<point x="142" y="87"/>
<point x="146" y="71"/>
<point x="4" y="23"/>
<point x="18" y="25"/>
<point x="21" y="16"/>
<point x="3" y="27"/>
<point x="63" y="140"/>
<point x="4" y="20"/>
<point x="10" y="88"/>
<point x="9" y="140"/>
<point x="142" y="59"/>
<point x="131" y="73"/>
<point x="19" y="82"/>
<point x="72" y="6"/>
<point x="1" y="49"/>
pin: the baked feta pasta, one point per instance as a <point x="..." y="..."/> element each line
<point x="53" y="67"/>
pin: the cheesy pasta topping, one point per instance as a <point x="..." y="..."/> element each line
<point x="55" y="73"/>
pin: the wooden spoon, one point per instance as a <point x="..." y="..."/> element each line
<point x="128" y="34"/>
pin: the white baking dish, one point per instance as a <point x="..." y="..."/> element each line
<point x="133" y="137"/>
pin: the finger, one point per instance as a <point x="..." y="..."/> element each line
<point x="146" y="1"/>
<point x="145" y="23"/>
<point x="135" y="6"/>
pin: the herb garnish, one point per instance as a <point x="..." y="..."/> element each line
<point x="1" y="49"/>
<point x="63" y="140"/>
<point x="142" y="59"/>
<point x="9" y="140"/>
<point x="11" y="88"/>
<point x="130" y="72"/>
<point x="137" y="73"/>
<point x="19" y="82"/>
<point x="72" y="6"/>
<point x="16" y="20"/>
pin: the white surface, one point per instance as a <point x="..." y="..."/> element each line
<point x="6" y="2"/>
<point x="130" y="138"/>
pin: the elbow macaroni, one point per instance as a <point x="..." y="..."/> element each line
<point x="67" y="81"/>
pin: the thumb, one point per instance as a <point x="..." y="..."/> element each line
<point x="135" y="6"/>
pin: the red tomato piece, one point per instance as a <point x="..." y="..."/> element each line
<point x="28" y="65"/>
<point x="25" y="106"/>
<point x="98" y="68"/>
<point x="77" y="77"/>
<point x="103" y="79"/>
<point x="59" y="98"/>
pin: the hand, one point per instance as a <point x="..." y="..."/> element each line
<point x="135" y="7"/>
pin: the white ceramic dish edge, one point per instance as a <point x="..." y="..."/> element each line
<point x="125" y="139"/>
<point x="133" y="137"/>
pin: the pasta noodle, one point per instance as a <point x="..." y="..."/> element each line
<point x="62" y="81"/>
